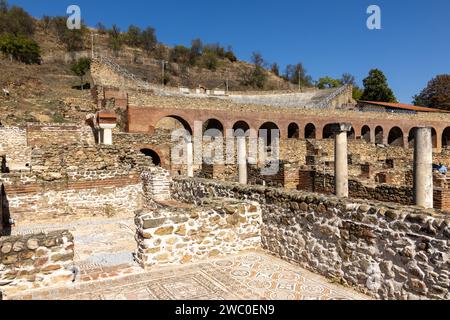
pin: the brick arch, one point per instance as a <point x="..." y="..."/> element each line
<point x="310" y="131"/>
<point x="241" y="127"/>
<point x="412" y="137"/>
<point x="162" y="152"/>
<point x="446" y="137"/>
<point x="213" y="124"/>
<point x="328" y="132"/>
<point x="366" y="133"/>
<point x="269" y="126"/>
<point x="380" y="134"/>
<point x="184" y="119"/>
<point x="293" y="131"/>
<point x="396" y="137"/>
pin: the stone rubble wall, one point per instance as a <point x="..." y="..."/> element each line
<point x="385" y="250"/>
<point x="35" y="261"/>
<point x="217" y="227"/>
<point x="77" y="157"/>
<point x="13" y="144"/>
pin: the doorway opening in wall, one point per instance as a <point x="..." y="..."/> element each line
<point x="156" y="159"/>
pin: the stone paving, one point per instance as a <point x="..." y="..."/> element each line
<point x="252" y="275"/>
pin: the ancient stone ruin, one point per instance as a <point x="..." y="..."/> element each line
<point x="157" y="179"/>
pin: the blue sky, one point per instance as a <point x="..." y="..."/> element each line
<point x="330" y="37"/>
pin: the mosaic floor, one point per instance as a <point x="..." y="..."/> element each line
<point x="247" y="276"/>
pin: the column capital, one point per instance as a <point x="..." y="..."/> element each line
<point x="341" y="127"/>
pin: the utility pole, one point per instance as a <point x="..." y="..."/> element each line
<point x="163" y="65"/>
<point x="299" y="81"/>
<point x="227" y="81"/>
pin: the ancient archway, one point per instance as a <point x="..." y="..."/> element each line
<point x="395" y="137"/>
<point x="351" y="134"/>
<point x="446" y="137"/>
<point x="213" y="128"/>
<point x="156" y="159"/>
<point x="412" y="137"/>
<point x="379" y="135"/>
<point x="365" y="133"/>
<point x="293" y="131"/>
<point x="266" y="130"/>
<point x="241" y="128"/>
<point x="328" y="132"/>
<point x="171" y="123"/>
<point x="310" y="131"/>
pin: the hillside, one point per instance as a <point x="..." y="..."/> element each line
<point x="48" y="93"/>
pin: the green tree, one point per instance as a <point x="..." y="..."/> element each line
<point x="230" y="54"/>
<point x="180" y="54"/>
<point x="72" y="39"/>
<point x="133" y="36"/>
<point x="209" y="60"/>
<point x="196" y="51"/>
<point x="376" y="88"/>
<point x="436" y="94"/>
<point x="357" y="93"/>
<point x="80" y="68"/>
<point x="298" y="74"/>
<point x="20" y="48"/>
<point x="275" y="68"/>
<point x="115" y="40"/>
<point x="257" y="77"/>
<point x="149" y="39"/>
<point x="328" y="82"/>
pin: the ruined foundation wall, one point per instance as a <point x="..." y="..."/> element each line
<point x="169" y="232"/>
<point x="34" y="198"/>
<point x="385" y="250"/>
<point x="39" y="134"/>
<point x="35" y="261"/>
<point x="174" y="235"/>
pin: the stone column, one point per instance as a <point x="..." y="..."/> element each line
<point x="242" y="159"/>
<point x="341" y="159"/>
<point x="190" y="159"/>
<point x="107" y="133"/>
<point x="423" y="170"/>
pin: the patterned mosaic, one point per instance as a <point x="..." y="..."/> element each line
<point x="247" y="276"/>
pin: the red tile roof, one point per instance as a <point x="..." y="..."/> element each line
<point x="405" y="106"/>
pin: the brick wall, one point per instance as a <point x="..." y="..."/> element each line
<point x="58" y="134"/>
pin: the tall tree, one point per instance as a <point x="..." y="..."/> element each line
<point x="328" y="82"/>
<point x="275" y="68"/>
<point x="436" y="94"/>
<point x="115" y="39"/>
<point x="376" y="88"/>
<point x="149" y="39"/>
<point x="80" y="68"/>
<point x="347" y="78"/>
<point x="133" y="36"/>
<point x="297" y="74"/>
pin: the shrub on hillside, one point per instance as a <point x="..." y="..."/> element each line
<point x="16" y="21"/>
<point x="80" y="68"/>
<point x="72" y="39"/>
<point x="21" y="49"/>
